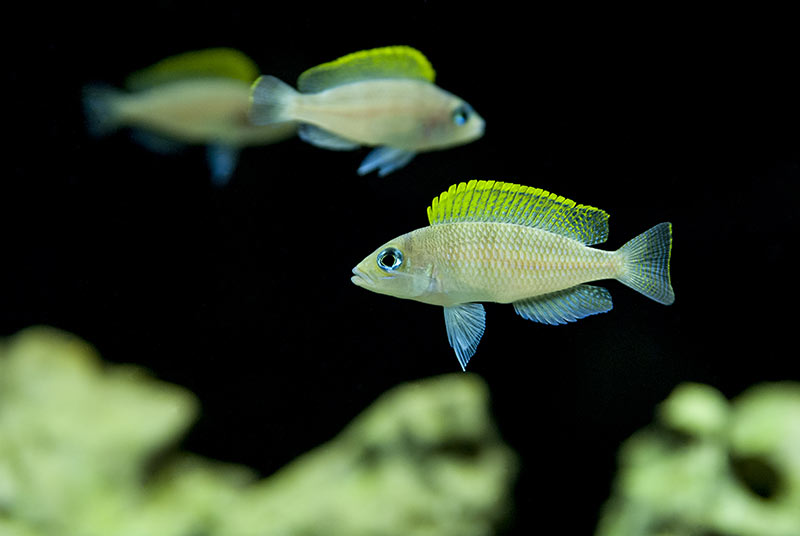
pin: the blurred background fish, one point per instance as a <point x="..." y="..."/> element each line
<point x="500" y="242"/>
<point x="383" y="97"/>
<point x="197" y="97"/>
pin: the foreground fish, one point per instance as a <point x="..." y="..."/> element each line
<point x="499" y="242"/>
<point x="196" y="98"/>
<point x="383" y="97"/>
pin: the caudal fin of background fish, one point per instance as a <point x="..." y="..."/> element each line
<point x="100" y="109"/>
<point x="646" y="265"/>
<point x="270" y="102"/>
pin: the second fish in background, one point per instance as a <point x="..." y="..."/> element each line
<point x="383" y="98"/>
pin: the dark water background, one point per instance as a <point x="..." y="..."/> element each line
<point x="243" y="294"/>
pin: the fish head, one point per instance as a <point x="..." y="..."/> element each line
<point x="457" y="123"/>
<point x="398" y="269"/>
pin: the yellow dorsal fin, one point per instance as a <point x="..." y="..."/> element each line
<point x="385" y="62"/>
<point x="503" y="202"/>
<point x="211" y="62"/>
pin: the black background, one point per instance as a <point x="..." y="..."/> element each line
<point x="243" y="294"/>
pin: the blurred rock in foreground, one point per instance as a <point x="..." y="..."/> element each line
<point x="78" y="439"/>
<point x="708" y="466"/>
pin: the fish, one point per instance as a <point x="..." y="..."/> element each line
<point x="383" y="98"/>
<point x="492" y="241"/>
<point x="198" y="98"/>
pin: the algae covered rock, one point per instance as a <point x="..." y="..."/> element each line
<point x="75" y="434"/>
<point x="708" y="466"/>
<point x="77" y="438"/>
<point x="422" y="460"/>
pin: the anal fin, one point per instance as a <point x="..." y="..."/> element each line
<point x="159" y="144"/>
<point x="327" y="140"/>
<point x="465" y="325"/>
<point x="566" y="305"/>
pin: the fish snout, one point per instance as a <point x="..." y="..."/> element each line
<point x="481" y="126"/>
<point x="361" y="278"/>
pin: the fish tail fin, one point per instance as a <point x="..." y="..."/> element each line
<point x="100" y="109"/>
<point x="269" y="100"/>
<point x="645" y="265"/>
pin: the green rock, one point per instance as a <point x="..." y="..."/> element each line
<point x="77" y="438"/>
<point x="707" y="466"/>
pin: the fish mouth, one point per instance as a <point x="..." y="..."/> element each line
<point x="481" y="128"/>
<point x="362" y="279"/>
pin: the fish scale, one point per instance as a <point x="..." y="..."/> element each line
<point x="502" y="262"/>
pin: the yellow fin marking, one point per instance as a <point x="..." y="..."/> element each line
<point x="503" y="202"/>
<point x="385" y="62"/>
<point x="211" y="62"/>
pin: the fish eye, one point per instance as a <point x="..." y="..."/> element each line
<point x="461" y="114"/>
<point x="390" y="259"/>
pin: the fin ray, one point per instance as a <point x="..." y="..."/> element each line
<point x="465" y="325"/>
<point x="490" y="201"/>
<point x="566" y="305"/>
<point x="646" y="266"/>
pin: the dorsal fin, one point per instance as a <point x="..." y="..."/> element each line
<point x="503" y="202"/>
<point x="211" y="62"/>
<point x="385" y="62"/>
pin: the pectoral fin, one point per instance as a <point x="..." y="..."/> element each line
<point x="566" y="305"/>
<point x="385" y="160"/>
<point x="465" y="324"/>
<point x="222" y="161"/>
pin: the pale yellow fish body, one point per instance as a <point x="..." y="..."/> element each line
<point x="383" y="98"/>
<point x="200" y="98"/>
<point x="499" y="242"/>
<point x="497" y="262"/>
<point x="198" y="111"/>
<point x="407" y="114"/>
